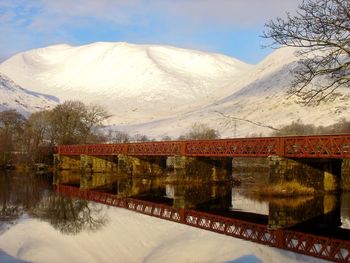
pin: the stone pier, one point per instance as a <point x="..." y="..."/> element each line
<point x="99" y="164"/>
<point x="64" y="162"/>
<point x="142" y="165"/>
<point x="327" y="175"/>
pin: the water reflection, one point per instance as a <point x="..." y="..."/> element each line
<point x="68" y="215"/>
<point x="18" y="194"/>
<point x="32" y="195"/>
<point x="321" y="210"/>
<point x="222" y="198"/>
<point x="345" y="210"/>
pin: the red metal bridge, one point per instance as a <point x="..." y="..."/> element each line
<point x="328" y="248"/>
<point x="322" y="146"/>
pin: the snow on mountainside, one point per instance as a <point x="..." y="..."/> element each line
<point x="135" y="82"/>
<point x="161" y="90"/>
<point x="258" y="103"/>
<point x="12" y="96"/>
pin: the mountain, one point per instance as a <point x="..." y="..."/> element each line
<point x="12" y="96"/>
<point x="135" y="82"/>
<point x="257" y="105"/>
<point x="162" y="90"/>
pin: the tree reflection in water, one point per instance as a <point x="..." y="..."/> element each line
<point x="30" y="194"/>
<point x="71" y="216"/>
<point x="11" y="205"/>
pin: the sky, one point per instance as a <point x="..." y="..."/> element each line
<point x="231" y="27"/>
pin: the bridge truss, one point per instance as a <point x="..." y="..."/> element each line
<point x="325" y="146"/>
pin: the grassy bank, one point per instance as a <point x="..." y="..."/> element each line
<point x="283" y="189"/>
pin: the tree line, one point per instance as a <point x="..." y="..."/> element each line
<point x="31" y="140"/>
<point x="197" y="131"/>
<point x="26" y="139"/>
<point x="299" y="128"/>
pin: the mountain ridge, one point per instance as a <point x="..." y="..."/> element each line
<point x="114" y="73"/>
<point x="161" y="90"/>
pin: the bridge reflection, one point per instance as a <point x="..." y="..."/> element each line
<point x="333" y="245"/>
<point x="215" y="207"/>
<point x="289" y="224"/>
<point x="211" y="196"/>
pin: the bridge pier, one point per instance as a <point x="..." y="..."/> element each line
<point x="214" y="168"/>
<point x="85" y="163"/>
<point x="250" y="170"/>
<point x="141" y="165"/>
<point x="67" y="162"/>
<point x="98" y="164"/>
<point x="321" y="174"/>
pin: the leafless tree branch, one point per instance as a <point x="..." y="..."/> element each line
<point x="321" y="31"/>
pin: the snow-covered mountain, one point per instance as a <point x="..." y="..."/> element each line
<point x="258" y="104"/>
<point x="135" y="82"/>
<point x="12" y="96"/>
<point x="162" y="90"/>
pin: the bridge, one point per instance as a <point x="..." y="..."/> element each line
<point x="321" y="162"/>
<point x="323" y="146"/>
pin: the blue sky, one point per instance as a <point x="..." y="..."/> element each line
<point x="231" y="27"/>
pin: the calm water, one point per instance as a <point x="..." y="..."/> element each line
<point x="32" y="196"/>
<point x="36" y="222"/>
<point x="39" y="225"/>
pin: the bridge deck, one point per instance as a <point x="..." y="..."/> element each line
<point x="322" y="146"/>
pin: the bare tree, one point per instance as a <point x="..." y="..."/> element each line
<point x="36" y="136"/>
<point x="166" y="138"/>
<point x="201" y="131"/>
<point x="11" y="130"/>
<point x="140" y="138"/>
<point x="93" y="118"/>
<point x="74" y="122"/>
<point x="296" y="128"/>
<point x="118" y="136"/>
<point x="321" y="29"/>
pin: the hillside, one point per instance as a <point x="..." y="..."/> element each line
<point x="12" y="96"/>
<point x="257" y="105"/>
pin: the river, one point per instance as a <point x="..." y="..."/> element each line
<point x="37" y="224"/>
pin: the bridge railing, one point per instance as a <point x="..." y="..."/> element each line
<point x="233" y="147"/>
<point x="323" y="146"/>
<point x="320" y="146"/>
